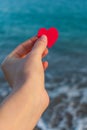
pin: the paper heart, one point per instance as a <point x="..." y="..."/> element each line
<point x="52" y="35"/>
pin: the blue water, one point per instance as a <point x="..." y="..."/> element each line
<point x="19" y="20"/>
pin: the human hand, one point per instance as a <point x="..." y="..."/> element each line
<point x="24" y="66"/>
<point x="25" y="61"/>
<point x="24" y="69"/>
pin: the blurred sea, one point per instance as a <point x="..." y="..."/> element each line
<point x="66" y="77"/>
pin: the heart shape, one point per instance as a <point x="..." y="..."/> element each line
<point x="52" y="35"/>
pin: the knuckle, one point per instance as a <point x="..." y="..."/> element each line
<point x="46" y="99"/>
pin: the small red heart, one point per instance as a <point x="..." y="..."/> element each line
<point x="52" y="35"/>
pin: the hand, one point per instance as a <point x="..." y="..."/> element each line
<point x="25" y="61"/>
<point x="24" y="69"/>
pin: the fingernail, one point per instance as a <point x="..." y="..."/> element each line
<point x="44" y="38"/>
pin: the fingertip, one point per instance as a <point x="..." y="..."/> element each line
<point x="46" y="51"/>
<point x="40" y="44"/>
<point x="44" y="38"/>
<point x="45" y="65"/>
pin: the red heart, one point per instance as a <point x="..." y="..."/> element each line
<point x="52" y="35"/>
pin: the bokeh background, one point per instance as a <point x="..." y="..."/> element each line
<point x="66" y="77"/>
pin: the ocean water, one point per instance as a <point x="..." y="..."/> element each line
<point x="67" y="72"/>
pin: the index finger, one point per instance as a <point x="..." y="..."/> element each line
<point x="24" y="48"/>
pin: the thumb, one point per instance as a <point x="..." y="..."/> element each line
<point x="40" y="45"/>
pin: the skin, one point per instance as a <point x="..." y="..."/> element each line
<point x="24" y="71"/>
